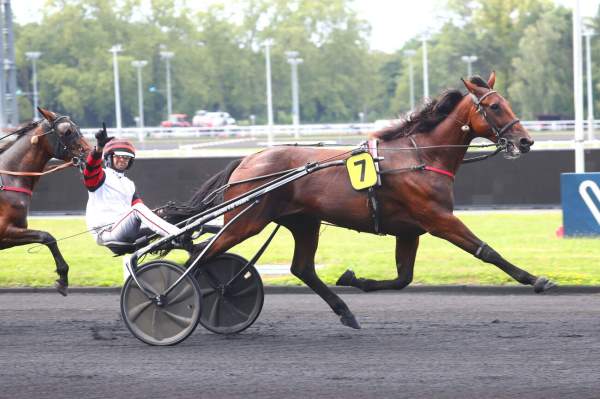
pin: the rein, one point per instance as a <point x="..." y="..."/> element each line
<point x="26" y="190"/>
<point x="46" y="172"/>
<point x="499" y="148"/>
<point x="8" y="135"/>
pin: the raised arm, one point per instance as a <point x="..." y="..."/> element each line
<point x="93" y="174"/>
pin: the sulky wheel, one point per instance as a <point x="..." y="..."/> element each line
<point x="168" y="323"/>
<point x="229" y="309"/>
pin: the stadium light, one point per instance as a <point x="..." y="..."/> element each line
<point x="116" y="49"/>
<point x="469" y="59"/>
<point x="33" y="56"/>
<point x="268" y="43"/>
<point x="588" y="32"/>
<point x="167" y="55"/>
<point x="410" y="54"/>
<point x="139" y="64"/>
<point x="578" y="89"/>
<point x="294" y="61"/>
<point x="425" y="68"/>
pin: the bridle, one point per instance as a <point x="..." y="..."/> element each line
<point x="61" y="148"/>
<point x="499" y="132"/>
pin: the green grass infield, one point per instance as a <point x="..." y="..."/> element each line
<point x="527" y="239"/>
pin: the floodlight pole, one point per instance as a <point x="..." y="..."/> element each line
<point x="115" y="50"/>
<point x="410" y="54"/>
<point x="469" y="59"/>
<point x="425" y="70"/>
<point x="268" y="43"/>
<point x="294" y="61"/>
<point x="578" y="89"/>
<point x="588" y="33"/>
<point x="139" y="64"/>
<point x="33" y="56"/>
<point x="167" y="55"/>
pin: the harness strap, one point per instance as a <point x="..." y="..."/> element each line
<point x="372" y="148"/>
<point x="374" y="208"/>
<point x="438" y="170"/>
<point x="371" y="193"/>
<point x="15" y="189"/>
<point x="422" y="166"/>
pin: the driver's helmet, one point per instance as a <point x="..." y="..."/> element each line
<point x="118" y="147"/>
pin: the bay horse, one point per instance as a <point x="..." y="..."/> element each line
<point x="21" y="165"/>
<point x="421" y="156"/>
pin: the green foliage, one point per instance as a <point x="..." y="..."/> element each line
<point x="219" y="60"/>
<point x="545" y="50"/>
<point x="526" y="239"/>
<point x="528" y="44"/>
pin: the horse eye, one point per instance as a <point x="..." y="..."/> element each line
<point x="495" y="106"/>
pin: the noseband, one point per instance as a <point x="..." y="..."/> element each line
<point x="499" y="132"/>
<point x="60" y="147"/>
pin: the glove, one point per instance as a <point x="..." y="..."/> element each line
<point x="102" y="137"/>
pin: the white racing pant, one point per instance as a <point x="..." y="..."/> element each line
<point x="127" y="227"/>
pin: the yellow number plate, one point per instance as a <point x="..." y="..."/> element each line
<point x="361" y="169"/>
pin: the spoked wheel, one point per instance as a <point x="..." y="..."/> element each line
<point x="166" y="323"/>
<point x="229" y="309"/>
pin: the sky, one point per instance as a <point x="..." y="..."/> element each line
<point x="393" y="22"/>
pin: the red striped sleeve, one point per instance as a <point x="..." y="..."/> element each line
<point x="136" y="199"/>
<point x="93" y="174"/>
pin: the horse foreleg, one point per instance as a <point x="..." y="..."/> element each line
<point x="306" y="237"/>
<point x="15" y="236"/>
<point x="406" y="251"/>
<point x="450" y="228"/>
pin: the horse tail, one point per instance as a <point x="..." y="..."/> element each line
<point x="208" y="195"/>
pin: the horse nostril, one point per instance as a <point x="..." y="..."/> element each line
<point x="525" y="142"/>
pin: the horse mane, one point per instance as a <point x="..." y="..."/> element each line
<point x="430" y="114"/>
<point x="21" y="131"/>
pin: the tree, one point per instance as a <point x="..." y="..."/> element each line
<point x="543" y="77"/>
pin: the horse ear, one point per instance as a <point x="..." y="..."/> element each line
<point x="470" y="86"/>
<point x="492" y="79"/>
<point x="48" y="115"/>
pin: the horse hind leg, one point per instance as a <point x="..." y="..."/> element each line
<point x="305" y="231"/>
<point x="15" y="236"/>
<point x="406" y="251"/>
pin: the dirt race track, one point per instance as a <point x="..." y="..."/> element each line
<point x="412" y="345"/>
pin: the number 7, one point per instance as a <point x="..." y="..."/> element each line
<point x="363" y="167"/>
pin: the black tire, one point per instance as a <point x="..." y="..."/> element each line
<point x="235" y="308"/>
<point x="170" y="323"/>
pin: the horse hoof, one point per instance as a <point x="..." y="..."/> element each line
<point x="349" y="320"/>
<point x="346" y="278"/>
<point x="61" y="287"/>
<point x="542" y="284"/>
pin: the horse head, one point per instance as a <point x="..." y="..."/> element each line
<point x="62" y="137"/>
<point x="493" y="118"/>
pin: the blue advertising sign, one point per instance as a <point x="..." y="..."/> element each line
<point x="580" y="197"/>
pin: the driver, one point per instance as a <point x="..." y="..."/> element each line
<point x="115" y="211"/>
